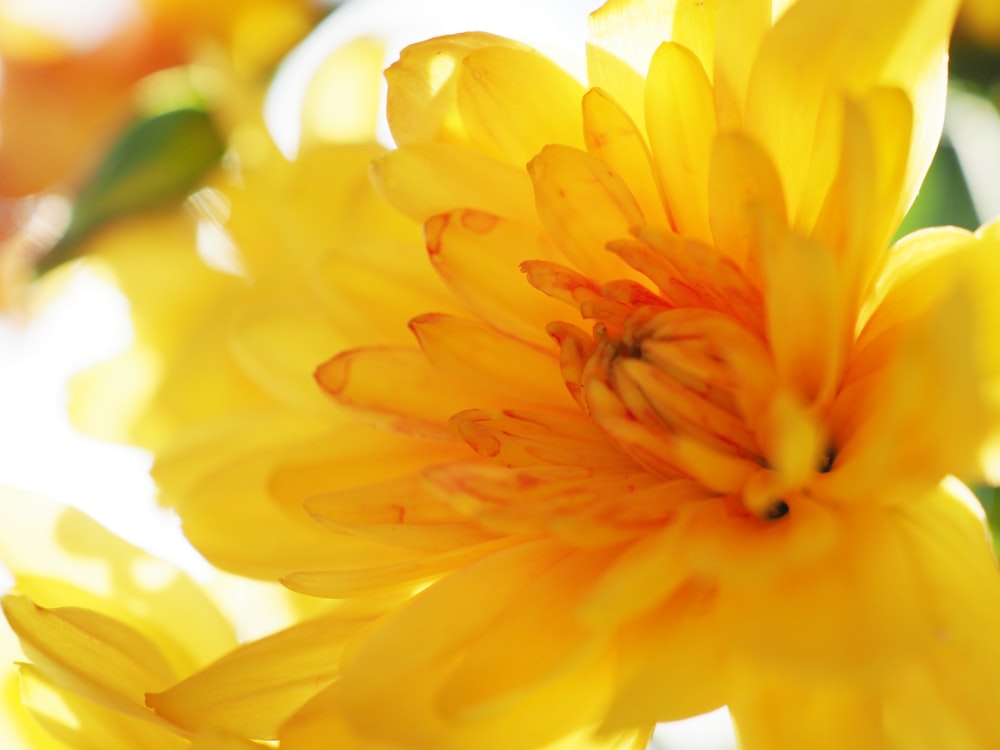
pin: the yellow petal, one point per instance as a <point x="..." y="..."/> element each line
<point x="196" y="450"/>
<point x="87" y="566"/>
<point x="422" y="104"/>
<point x="351" y="456"/>
<point x="817" y="50"/>
<point x="233" y="505"/>
<point x="419" y="635"/>
<point x="904" y="260"/>
<point x="534" y="641"/>
<point x="628" y="586"/>
<point x="577" y="504"/>
<point x="19" y="727"/>
<point x="120" y="400"/>
<point x="806" y="323"/>
<point x="680" y="120"/>
<point x="623" y="35"/>
<point x="83" y="725"/>
<point x="398" y="389"/>
<point x="90" y="654"/>
<point x="338" y="584"/>
<point x="744" y="196"/>
<point x="218" y="741"/>
<point x="375" y="296"/>
<point x="479" y="256"/>
<point x="254" y="688"/>
<point x="314" y="208"/>
<point x="848" y="711"/>
<point x="920" y="601"/>
<point x="674" y="662"/>
<point x="583" y="205"/>
<point x="466" y="350"/>
<point x="422" y="643"/>
<point x="516" y="437"/>
<point x="278" y="342"/>
<point x="695" y="24"/>
<point x="692" y="275"/>
<point x="741" y="26"/>
<point x="400" y="513"/>
<point x="864" y="205"/>
<point x="427" y="179"/>
<point x="666" y="454"/>
<point x="927" y="367"/>
<point x="497" y="82"/>
<point x="322" y="722"/>
<point x="740" y="549"/>
<point x="613" y="137"/>
<point x="792" y="438"/>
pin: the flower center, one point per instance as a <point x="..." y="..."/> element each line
<point x="692" y="393"/>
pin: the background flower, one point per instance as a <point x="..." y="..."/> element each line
<point x="72" y="83"/>
<point x="102" y="623"/>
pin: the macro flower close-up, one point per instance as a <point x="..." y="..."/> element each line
<point x="661" y="413"/>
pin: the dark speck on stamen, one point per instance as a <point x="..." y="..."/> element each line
<point x="777" y="509"/>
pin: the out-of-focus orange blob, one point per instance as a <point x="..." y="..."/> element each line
<point x="61" y="103"/>
<point x="58" y="112"/>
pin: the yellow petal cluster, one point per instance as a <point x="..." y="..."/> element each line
<point x="731" y="480"/>
<point x="671" y="427"/>
<point x="102" y="623"/>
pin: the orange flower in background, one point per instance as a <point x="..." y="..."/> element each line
<point x="70" y="84"/>
<point x="62" y="100"/>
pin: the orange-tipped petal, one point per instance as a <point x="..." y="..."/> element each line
<point x="398" y="389"/>
<point x="463" y="349"/>
<point x="479" y="256"/>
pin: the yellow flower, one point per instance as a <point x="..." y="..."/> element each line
<point x="691" y="438"/>
<point x="731" y="480"/>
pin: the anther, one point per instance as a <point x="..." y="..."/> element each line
<point x="777" y="509"/>
<point x="826" y="460"/>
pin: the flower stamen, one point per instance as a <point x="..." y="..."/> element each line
<point x="777" y="509"/>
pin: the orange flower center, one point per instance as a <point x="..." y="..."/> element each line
<point x="687" y="391"/>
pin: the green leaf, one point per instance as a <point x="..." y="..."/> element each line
<point x="157" y="162"/>
<point x="990" y="499"/>
<point x="944" y="197"/>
